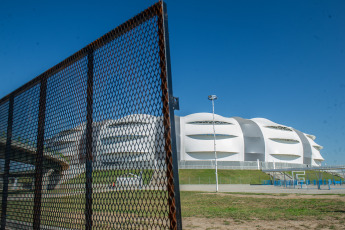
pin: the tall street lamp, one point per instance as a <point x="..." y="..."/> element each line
<point x="212" y="98"/>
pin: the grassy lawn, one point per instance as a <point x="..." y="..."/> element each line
<point x="197" y="204"/>
<point x="109" y="176"/>
<point x="186" y="176"/>
<point x="122" y="209"/>
<point x="108" y="208"/>
<point x="207" y="176"/>
<point x="146" y="205"/>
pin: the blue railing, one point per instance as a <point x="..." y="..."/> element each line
<point x="296" y="183"/>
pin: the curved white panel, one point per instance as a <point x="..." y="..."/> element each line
<point x="310" y="136"/>
<point x="280" y="141"/>
<point x="316" y="155"/>
<point x="284" y="140"/>
<point x="209" y="122"/>
<point x="279" y="127"/>
<point x="209" y="155"/>
<point x="196" y="138"/>
<point x="211" y="136"/>
<point x="285" y="158"/>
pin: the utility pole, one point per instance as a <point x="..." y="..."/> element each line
<point x="212" y="98"/>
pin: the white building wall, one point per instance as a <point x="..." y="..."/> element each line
<point x="197" y="140"/>
<point x="315" y="148"/>
<point x="130" y="138"/>
<point x="282" y="144"/>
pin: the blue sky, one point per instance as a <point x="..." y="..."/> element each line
<point x="282" y="60"/>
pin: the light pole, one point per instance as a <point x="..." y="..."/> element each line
<point x="212" y="98"/>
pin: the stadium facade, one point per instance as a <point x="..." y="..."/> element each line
<point x="137" y="140"/>
<point x="243" y="140"/>
<point x="237" y="140"/>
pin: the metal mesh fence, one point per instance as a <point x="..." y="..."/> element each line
<point x="3" y="139"/>
<point x="3" y="136"/>
<point x="89" y="144"/>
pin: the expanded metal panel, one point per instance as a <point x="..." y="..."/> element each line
<point x="3" y="139"/>
<point x="65" y="117"/>
<point x="23" y="159"/>
<point x="130" y="134"/>
<point x="3" y="135"/>
<point x="91" y="142"/>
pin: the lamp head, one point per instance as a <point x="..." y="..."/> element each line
<point x="212" y="97"/>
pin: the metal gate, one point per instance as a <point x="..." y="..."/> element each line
<point x="90" y="143"/>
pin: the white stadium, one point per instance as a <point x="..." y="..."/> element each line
<point x="138" y="140"/>
<point x="237" y="140"/>
<point x="243" y="140"/>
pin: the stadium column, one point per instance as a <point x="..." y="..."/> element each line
<point x="39" y="155"/>
<point x="88" y="162"/>
<point x="7" y="163"/>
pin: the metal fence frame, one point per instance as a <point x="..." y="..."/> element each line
<point x="169" y="104"/>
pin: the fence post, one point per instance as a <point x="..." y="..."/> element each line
<point x="333" y="179"/>
<point x="318" y="180"/>
<point x="39" y="155"/>
<point x="7" y="163"/>
<point x="169" y="121"/>
<point x="89" y="130"/>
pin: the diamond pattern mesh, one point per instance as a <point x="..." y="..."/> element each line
<point x="90" y="144"/>
<point x="23" y="158"/>
<point x="3" y="137"/>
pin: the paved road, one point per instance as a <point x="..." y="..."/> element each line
<point x="263" y="189"/>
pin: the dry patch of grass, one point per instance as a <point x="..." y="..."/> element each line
<point x="270" y="207"/>
<point x="197" y="223"/>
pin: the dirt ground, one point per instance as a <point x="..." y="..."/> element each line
<point x="194" y="223"/>
<point x="285" y="196"/>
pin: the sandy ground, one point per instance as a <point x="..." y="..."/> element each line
<point x="223" y="224"/>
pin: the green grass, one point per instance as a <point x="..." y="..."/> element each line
<point x="68" y="211"/>
<point x="186" y="176"/>
<point x="128" y="207"/>
<point x="110" y="176"/>
<point x="207" y="176"/>
<point x="196" y="204"/>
